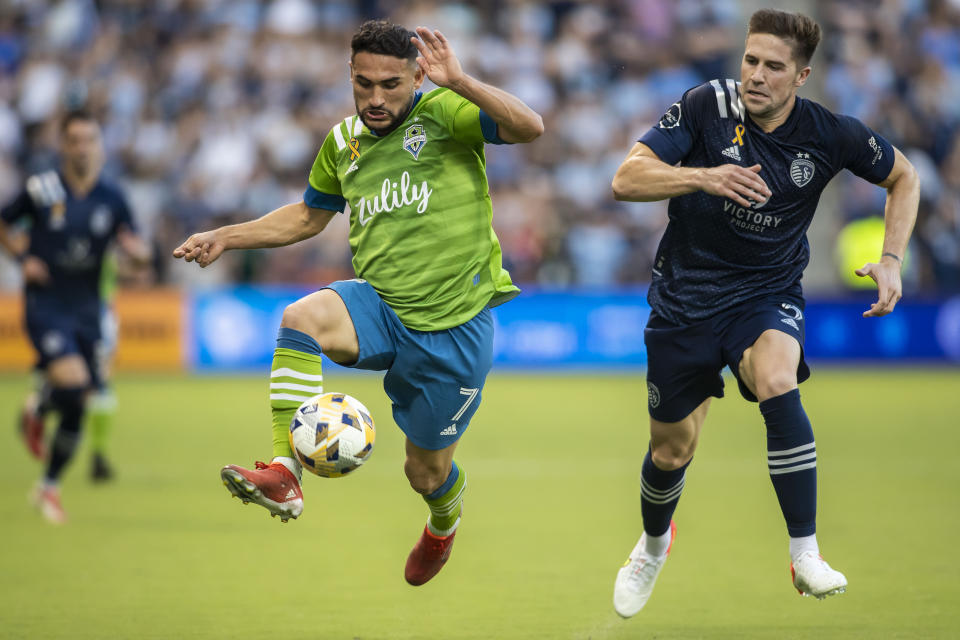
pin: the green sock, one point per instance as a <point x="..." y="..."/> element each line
<point x="295" y="376"/>
<point x="101" y="409"/>
<point x="446" y="503"/>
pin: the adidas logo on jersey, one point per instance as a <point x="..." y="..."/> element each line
<point x="449" y="431"/>
<point x="353" y="167"/>
<point x="732" y="152"/>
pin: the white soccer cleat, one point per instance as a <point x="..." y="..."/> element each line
<point x="812" y="576"/>
<point x="636" y="578"/>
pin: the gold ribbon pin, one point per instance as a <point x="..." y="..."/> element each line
<point x="738" y="138"/>
<point x="354" y="145"/>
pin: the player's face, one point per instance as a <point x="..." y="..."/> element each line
<point x="383" y="89"/>
<point x="769" y="76"/>
<point x="82" y="148"/>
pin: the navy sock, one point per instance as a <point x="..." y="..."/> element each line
<point x="296" y="340"/>
<point x="659" y="494"/>
<point x="69" y="403"/>
<point x="792" y="460"/>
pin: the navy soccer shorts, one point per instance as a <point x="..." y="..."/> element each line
<point x="56" y="334"/>
<point x="684" y="362"/>
<point x="434" y="378"/>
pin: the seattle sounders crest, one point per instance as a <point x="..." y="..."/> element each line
<point x="414" y="139"/>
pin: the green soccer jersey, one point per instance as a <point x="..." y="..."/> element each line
<point x="420" y="215"/>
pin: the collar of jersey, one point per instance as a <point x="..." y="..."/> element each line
<point x="416" y="99"/>
<point x="69" y="189"/>
<point x="788" y="125"/>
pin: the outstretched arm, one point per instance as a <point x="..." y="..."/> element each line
<point x="289" y="224"/>
<point x="516" y="122"/>
<point x="903" y="198"/>
<point x="644" y="177"/>
<point x="135" y="247"/>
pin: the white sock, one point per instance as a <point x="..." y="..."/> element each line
<point x="442" y="533"/>
<point x="803" y="544"/>
<point x="656" y="545"/>
<point x="290" y="463"/>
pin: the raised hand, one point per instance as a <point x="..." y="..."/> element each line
<point x="203" y="248"/>
<point x="437" y="58"/>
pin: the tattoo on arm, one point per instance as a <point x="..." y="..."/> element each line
<point x="892" y="255"/>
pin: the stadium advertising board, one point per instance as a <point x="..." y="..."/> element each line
<point x="236" y="329"/>
<point x="151" y="331"/>
<point x="15" y="351"/>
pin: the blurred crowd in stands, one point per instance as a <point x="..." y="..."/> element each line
<point x="213" y="111"/>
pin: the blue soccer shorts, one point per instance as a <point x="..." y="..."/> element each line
<point x="56" y="334"/>
<point x="684" y="361"/>
<point x="434" y="378"/>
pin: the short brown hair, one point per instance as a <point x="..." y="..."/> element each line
<point x="76" y="115"/>
<point x="803" y="31"/>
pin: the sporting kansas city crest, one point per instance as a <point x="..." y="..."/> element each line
<point x="801" y="169"/>
<point x="414" y="139"/>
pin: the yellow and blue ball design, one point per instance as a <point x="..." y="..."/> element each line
<point x="332" y="434"/>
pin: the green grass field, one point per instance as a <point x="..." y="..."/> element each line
<point x="551" y="511"/>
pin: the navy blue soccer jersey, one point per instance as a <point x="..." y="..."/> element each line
<point x="715" y="253"/>
<point x="70" y="235"/>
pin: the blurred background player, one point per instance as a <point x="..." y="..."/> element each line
<point x="101" y="403"/>
<point x="753" y="159"/>
<point x="411" y="166"/>
<point x="72" y="216"/>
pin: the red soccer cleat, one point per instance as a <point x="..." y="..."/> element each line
<point x="271" y="486"/>
<point x="31" y="428"/>
<point x="428" y="557"/>
<point x="47" y="501"/>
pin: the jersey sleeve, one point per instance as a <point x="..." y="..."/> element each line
<point x="469" y="123"/>
<point x="123" y="218"/>
<point x="323" y="186"/>
<point x="673" y="136"/>
<point x="21" y="207"/>
<point x="862" y="151"/>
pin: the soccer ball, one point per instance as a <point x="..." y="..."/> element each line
<point x="332" y="434"/>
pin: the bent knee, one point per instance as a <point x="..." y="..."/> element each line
<point x="776" y="384"/>
<point x="299" y="315"/>
<point x="424" y="479"/>
<point x="672" y="455"/>
<point x="68" y="371"/>
<point x="313" y="314"/>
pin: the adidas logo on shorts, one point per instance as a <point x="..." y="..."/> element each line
<point x="449" y="431"/>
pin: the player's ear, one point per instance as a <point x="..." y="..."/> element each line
<point x="350" y="66"/>
<point x="418" y="75"/>
<point x="802" y="76"/>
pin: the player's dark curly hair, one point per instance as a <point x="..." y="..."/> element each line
<point x="801" y="30"/>
<point x="384" y="38"/>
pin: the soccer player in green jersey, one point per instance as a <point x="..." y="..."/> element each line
<point x="411" y="167"/>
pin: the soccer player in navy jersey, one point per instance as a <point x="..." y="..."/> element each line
<point x="743" y="164"/>
<point x="72" y="217"/>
